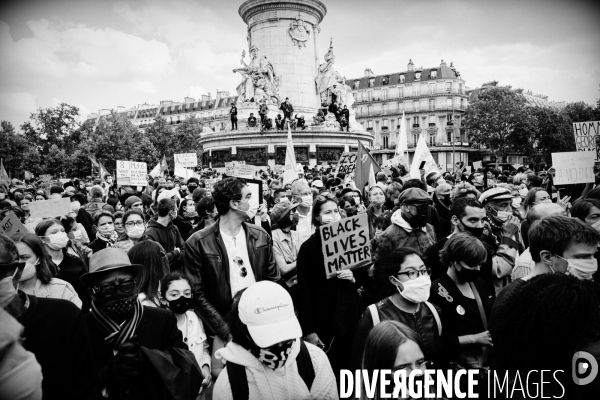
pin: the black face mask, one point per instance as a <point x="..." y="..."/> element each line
<point x="118" y="307"/>
<point x="467" y="275"/>
<point x="420" y="219"/>
<point x="477" y="232"/>
<point x="180" y="305"/>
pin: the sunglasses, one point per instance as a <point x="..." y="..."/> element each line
<point x="110" y="290"/>
<point x="240" y="263"/>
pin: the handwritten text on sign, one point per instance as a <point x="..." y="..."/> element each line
<point x="186" y="160"/>
<point x="346" y="164"/>
<point x="239" y="168"/>
<point x="573" y="167"/>
<point x="345" y="244"/>
<point x="586" y="135"/>
<point x="132" y="173"/>
<point x="11" y="225"/>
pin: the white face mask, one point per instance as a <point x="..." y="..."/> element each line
<point x="306" y="201"/>
<point x="75" y="206"/>
<point x="76" y="234"/>
<point x="29" y="271"/>
<point x="596" y="225"/>
<point x="503" y="215"/>
<point x="516" y="203"/>
<point x="135" y="232"/>
<point x="58" y="240"/>
<point x="252" y="207"/>
<point x="329" y="218"/>
<point x="582" y="269"/>
<point x="416" y="290"/>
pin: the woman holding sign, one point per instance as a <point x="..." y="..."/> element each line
<point x="328" y="308"/>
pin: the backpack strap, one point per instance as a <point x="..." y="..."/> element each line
<point x="435" y="315"/>
<point x="374" y="314"/>
<point x="238" y="381"/>
<point x="305" y="366"/>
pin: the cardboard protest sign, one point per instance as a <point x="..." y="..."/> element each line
<point x="573" y="167"/>
<point x="50" y="208"/>
<point x="45" y="178"/>
<point x="346" y="163"/>
<point x="586" y="136"/>
<point x="345" y="244"/>
<point x="186" y="160"/>
<point x="132" y="173"/>
<point x="239" y="168"/>
<point x="210" y="183"/>
<point x="11" y="225"/>
<point x="476" y="165"/>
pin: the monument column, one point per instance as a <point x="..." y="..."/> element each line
<point x="285" y="31"/>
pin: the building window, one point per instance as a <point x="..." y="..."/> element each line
<point x="385" y="140"/>
<point x="462" y="104"/>
<point x="385" y="94"/>
<point x="356" y="83"/>
<point x="449" y="136"/>
<point x="448" y="87"/>
<point x="371" y="82"/>
<point x="431" y="140"/>
<point x="432" y="120"/>
<point x="377" y="126"/>
<point x="402" y="78"/>
<point x="400" y="92"/>
<point x="417" y="76"/>
<point x="416" y="138"/>
<point x="370" y="124"/>
<point x="416" y="108"/>
<point x="385" y="123"/>
<point x="434" y="74"/>
<point x="416" y="90"/>
<point x="386" y="80"/>
<point x="431" y="105"/>
<point x="432" y="88"/>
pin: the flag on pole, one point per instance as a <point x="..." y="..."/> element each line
<point x="402" y="145"/>
<point x="365" y="166"/>
<point x="4" y="179"/>
<point x="103" y="171"/>
<point x="289" y="170"/>
<point x="155" y="171"/>
<point x="163" y="164"/>
<point x="422" y="153"/>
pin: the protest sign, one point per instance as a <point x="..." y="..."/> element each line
<point x="210" y="183"/>
<point x="45" y="178"/>
<point x="476" y="165"/>
<point x="346" y="163"/>
<point x="50" y="208"/>
<point x="586" y="136"/>
<point x="345" y="244"/>
<point x="239" y="168"/>
<point x="185" y="173"/>
<point x="132" y="173"/>
<point x="186" y="160"/>
<point x="11" y="225"/>
<point x="573" y="167"/>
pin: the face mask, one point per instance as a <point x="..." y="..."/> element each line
<point x="275" y="356"/>
<point x="477" y="232"/>
<point x="306" y="201"/>
<point x="58" y="240"/>
<point x="106" y="230"/>
<point x="120" y="306"/>
<point x="28" y="272"/>
<point x="596" y="225"/>
<point x="77" y="235"/>
<point x="379" y="199"/>
<point x="7" y="289"/>
<point x="523" y="192"/>
<point x="180" y="305"/>
<point x="503" y="215"/>
<point x="415" y="290"/>
<point x="252" y="207"/>
<point x="329" y="218"/>
<point x="516" y="203"/>
<point x="582" y="269"/>
<point x="190" y="209"/>
<point x="136" y="232"/>
<point x="75" y="206"/>
<point x="466" y="275"/>
<point x="419" y="219"/>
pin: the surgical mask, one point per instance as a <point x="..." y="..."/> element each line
<point x="523" y="192"/>
<point x="415" y="290"/>
<point x="76" y="234"/>
<point x="377" y="199"/>
<point x="135" y="232"/>
<point x="180" y="305"/>
<point x="596" y="225"/>
<point x="190" y="209"/>
<point x="7" y="289"/>
<point x="119" y="306"/>
<point x="75" y="206"/>
<point x="582" y="269"/>
<point x="252" y="207"/>
<point x="503" y="216"/>
<point x="106" y="230"/>
<point x="58" y="240"/>
<point x="274" y="356"/>
<point x="466" y="274"/>
<point x="329" y="218"/>
<point x="29" y="271"/>
<point x="516" y="202"/>
<point x="306" y="201"/>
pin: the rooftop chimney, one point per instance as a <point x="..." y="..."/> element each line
<point x="411" y="66"/>
<point x="189" y="100"/>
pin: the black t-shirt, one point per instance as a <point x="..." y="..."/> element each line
<point x="56" y="333"/>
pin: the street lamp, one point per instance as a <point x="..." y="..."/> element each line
<point x="449" y="90"/>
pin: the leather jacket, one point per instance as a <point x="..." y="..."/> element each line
<point x="206" y="264"/>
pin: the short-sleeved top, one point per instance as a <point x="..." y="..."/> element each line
<point x="236" y="246"/>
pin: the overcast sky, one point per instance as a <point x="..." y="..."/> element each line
<point x="103" y="53"/>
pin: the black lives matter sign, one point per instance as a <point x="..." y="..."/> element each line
<point x="345" y="244"/>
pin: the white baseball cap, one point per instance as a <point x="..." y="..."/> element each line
<point x="317" y="183"/>
<point x="267" y="310"/>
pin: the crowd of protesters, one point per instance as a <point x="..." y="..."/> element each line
<point x="174" y="290"/>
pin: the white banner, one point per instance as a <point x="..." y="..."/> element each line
<point x="422" y="153"/>
<point x="573" y="167"/>
<point x="186" y="160"/>
<point x="185" y="173"/>
<point x="290" y="171"/>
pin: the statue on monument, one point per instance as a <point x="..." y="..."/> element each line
<point x="259" y="81"/>
<point x="329" y="81"/>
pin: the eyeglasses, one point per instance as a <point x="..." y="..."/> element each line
<point x="412" y="274"/>
<point x="131" y="224"/>
<point x="240" y="263"/>
<point x="110" y="290"/>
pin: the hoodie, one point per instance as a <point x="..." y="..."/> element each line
<point x="282" y="383"/>
<point x="169" y="238"/>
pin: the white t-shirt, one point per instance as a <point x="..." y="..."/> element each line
<point x="237" y="248"/>
<point x="305" y="227"/>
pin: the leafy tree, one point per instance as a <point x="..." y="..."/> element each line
<point x="552" y="132"/>
<point x="581" y="112"/>
<point x="51" y="126"/>
<point x="497" y="119"/>
<point x="55" y="161"/>
<point x="32" y="161"/>
<point x="12" y="147"/>
<point x="173" y="139"/>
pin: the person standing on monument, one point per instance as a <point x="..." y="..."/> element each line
<point x="335" y="110"/>
<point x="346" y="114"/>
<point x="233" y="117"/>
<point x="279" y="122"/>
<point x="263" y="110"/>
<point x="287" y="109"/>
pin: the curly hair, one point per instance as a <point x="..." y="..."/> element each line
<point x="226" y="190"/>
<point x="464" y="189"/>
<point x="540" y="324"/>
